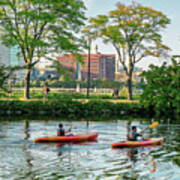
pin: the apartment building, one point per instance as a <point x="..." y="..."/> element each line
<point x="8" y="57"/>
<point x="102" y="66"/>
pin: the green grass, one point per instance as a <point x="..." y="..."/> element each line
<point x="38" y="95"/>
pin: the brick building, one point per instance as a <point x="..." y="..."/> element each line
<point x="102" y="66"/>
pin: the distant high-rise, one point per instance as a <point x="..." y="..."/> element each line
<point x="102" y="66"/>
<point x="9" y="57"/>
<point x="4" y="55"/>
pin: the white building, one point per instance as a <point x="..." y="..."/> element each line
<point x="10" y="57"/>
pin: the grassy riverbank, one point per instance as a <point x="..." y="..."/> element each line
<point x="37" y="94"/>
<point x="76" y="106"/>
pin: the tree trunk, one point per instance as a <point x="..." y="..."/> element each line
<point x="129" y="84"/>
<point x="27" y="84"/>
<point x="89" y="68"/>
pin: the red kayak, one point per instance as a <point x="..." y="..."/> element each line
<point x="73" y="138"/>
<point x="145" y="142"/>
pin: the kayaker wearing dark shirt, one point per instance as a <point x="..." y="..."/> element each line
<point x="61" y="131"/>
<point x="132" y="136"/>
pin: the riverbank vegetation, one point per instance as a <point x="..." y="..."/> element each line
<point x="72" y="109"/>
<point x="161" y="92"/>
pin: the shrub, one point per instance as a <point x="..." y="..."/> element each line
<point x="72" y="109"/>
<point x="162" y="90"/>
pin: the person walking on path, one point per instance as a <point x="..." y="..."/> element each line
<point x="46" y="91"/>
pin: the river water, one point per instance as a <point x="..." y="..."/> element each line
<point x="21" y="159"/>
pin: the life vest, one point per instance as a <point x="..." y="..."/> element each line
<point x="60" y="132"/>
<point x="130" y="136"/>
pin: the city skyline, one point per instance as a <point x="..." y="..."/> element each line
<point x="171" y="35"/>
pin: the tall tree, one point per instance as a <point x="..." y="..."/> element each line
<point x="89" y="37"/>
<point x="40" y="28"/>
<point x="134" y="32"/>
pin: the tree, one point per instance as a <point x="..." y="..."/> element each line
<point x="134" y="32"/>
<point x="89" y="36"/>
<point x="5" y="74"/>
<point x="161" y="90"/>
<point x="40" y="28"/>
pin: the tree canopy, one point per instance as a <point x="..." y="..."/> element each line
<point x="134" y="31"/>
<point x="40" y="28"/>
<point x="162" y="89"/>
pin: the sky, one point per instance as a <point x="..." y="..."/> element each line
<point x="171" y="35"/>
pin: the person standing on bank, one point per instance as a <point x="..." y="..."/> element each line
<point x="46" y="91"/>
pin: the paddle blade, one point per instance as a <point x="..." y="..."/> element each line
<point x="153" y="125"/>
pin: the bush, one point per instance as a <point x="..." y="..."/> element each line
<point x="72" y="109"/>
<point x="162" y="90"/>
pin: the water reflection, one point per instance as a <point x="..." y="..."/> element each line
<point x="132" y="154"/>
<point x="91" y="160"/>
<point x="59" y="149"/>
<point x="60" y="146"/>
<point x="28" y="168"/>
<point x="28" y="171"/>
<point x="26" y="130"/>
<point x="141" y="164"/>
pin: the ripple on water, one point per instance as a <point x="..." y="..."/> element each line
<point x="22" y="159"/>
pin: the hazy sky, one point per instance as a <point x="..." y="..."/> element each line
<point x="171" y="35"/>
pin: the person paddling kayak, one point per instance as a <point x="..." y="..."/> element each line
<point x="133" y="135"/>
<point x="61" y="131"/>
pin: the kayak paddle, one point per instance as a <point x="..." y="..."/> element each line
<point x="153" y="125"/>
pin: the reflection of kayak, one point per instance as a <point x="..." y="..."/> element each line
<point x="73" y="138"/>
<point x="60" y="144"/>
<point x="145" y="142"/>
